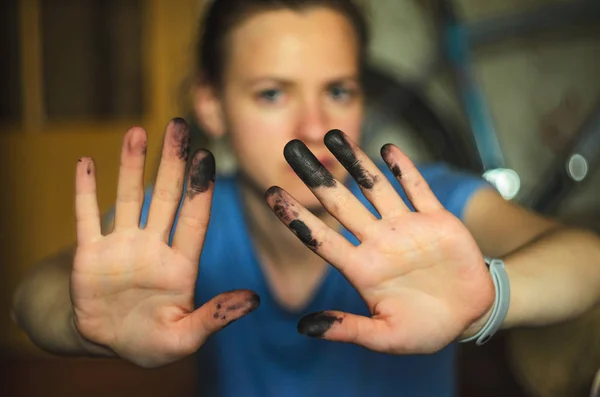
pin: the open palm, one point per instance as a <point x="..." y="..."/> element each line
<point x="133" y="293"/>
<point x="420" y="272"/>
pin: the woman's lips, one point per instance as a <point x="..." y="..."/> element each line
<point x="328" y="163"/>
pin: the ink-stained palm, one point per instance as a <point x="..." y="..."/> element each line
<point x="132" y="293"/>
<point x="420" y="272"/>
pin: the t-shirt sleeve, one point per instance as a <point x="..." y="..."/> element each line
<point x="454" y="188"/>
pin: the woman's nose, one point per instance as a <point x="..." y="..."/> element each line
<point x="312" y="123"/>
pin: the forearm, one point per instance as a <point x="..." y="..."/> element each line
<point x="42" y="308"/>
<point x="554" y="278"/>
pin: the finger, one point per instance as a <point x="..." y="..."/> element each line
<point x="416" y="188"/>
<point x="130" y="189"/>
<point x="312" y="231"/>
<point x="345" y="327"/>
<point x="371" y="180"/>
<point x="86" y="203"/>
<point x="334" y="196"/>
<point x="195" y="212"/>
<point x="218" y="313"/>
<point x="169" y="182"/>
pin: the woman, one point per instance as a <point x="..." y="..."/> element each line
<point x="275" y="76"/>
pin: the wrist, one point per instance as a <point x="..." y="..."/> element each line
<point x="487" y="325"/>
<point x="86" y="346"/>
<point x="476" y="326"/>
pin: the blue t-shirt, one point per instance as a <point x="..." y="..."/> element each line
<point x="262" y="354"/>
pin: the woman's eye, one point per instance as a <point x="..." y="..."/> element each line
<point x="270" y="95"/>
<point x="340" y="93"/>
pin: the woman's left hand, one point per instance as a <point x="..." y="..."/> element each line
<point x="420" y="272"/>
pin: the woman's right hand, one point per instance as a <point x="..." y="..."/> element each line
<point x="132" y="293"/>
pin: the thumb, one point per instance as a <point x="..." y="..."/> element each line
<point x="345" y="327"/>
<point x="221" y="311"/>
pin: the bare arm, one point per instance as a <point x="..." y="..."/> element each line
<point x="42" y="306"/>
<point x="554" y="270"/>
<point x="114" y="297"/>
<point x="421" y="273"/>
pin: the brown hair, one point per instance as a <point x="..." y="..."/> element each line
<point x="222" y="16"/>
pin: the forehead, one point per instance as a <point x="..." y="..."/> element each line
<point x="315" y="42"/>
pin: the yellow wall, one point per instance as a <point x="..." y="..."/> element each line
<point x="37" y="167"/>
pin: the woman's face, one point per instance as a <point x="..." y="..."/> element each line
<point x="290" y="75"/>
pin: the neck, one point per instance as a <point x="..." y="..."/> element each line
<point x="293" y="271"/>
<point x="277" y="247"/>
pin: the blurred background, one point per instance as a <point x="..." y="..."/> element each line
<point x="489" y="85"/>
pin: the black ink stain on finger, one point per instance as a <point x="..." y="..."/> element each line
<point x="385" y="151"/>
<point x="235" y="306"/>
<point x="181" y="136"/>
<point x="219" y="315"/>
<point x="220" y="301"/>
<point x="272" y="191"/>
<point x="304" y="233"/>
<point x="89" y="168"/>
<point x="336" y="142"/>
<point x="363" y="177"/>
<point x="281" y="211"/>
<point x="247" y="306"/>
<point x="396" y="171"/>
<point x="317" y="324"/>
<point x="282" y="208"/>
<point x="202" y="173"/>
<point x="307" y="166"/>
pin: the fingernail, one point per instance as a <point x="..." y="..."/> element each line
<point x="317" y="324"/>
<point x="137" y="143"/>
<point x="247" y="306"/>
